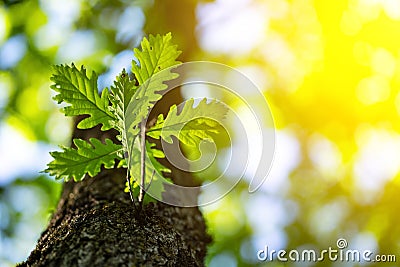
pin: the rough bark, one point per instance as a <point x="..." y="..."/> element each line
<point x="95" y="224"/>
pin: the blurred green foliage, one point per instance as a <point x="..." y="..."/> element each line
<point x="329" y="69"/>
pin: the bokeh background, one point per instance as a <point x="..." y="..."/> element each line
<point x="330" y="71"/>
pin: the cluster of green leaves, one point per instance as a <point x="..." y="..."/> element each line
<point x="125" y="107"/>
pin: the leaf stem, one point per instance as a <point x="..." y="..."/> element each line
<point x="142" y="160"/>
<point x="130" y="186"/>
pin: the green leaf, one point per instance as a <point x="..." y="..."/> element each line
<point x="87" y="158"/>
<point x="121" y="95"/>
<point x="80" y="91"/>
<point x="131" y="101"/>
<point x="156" y="56"/>
<point x="192" y="124"/>
<point x="154" y="179"/>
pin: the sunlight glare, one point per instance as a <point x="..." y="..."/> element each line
<point x="378" y="159"/>
<point x="220" y="23"/>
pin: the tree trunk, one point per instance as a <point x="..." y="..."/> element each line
<point x="95" y="224"/>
